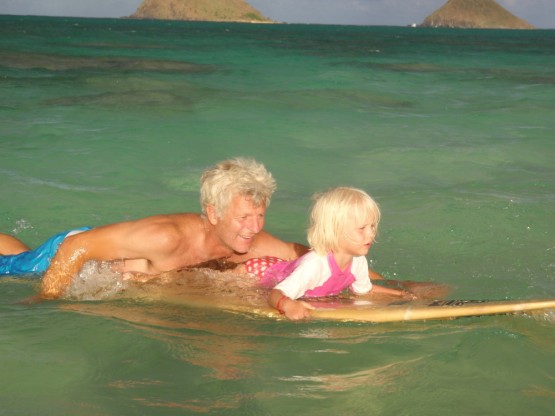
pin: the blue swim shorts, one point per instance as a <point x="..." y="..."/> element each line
<point x="37" y="260"/>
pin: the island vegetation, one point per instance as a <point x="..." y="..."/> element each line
<point x="201" y="10"/>
<point x="482" y="14"/>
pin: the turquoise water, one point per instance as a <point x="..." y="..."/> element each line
<point x="451" y="131"/>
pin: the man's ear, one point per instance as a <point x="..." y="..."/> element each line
<point x="211" y="214"/>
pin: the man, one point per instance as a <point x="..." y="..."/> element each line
<point x="234" y="197"/>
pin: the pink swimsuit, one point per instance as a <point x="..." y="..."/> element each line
<point x="259" y="266"/>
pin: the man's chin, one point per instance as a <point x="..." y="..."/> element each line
<point x="240" y="252"/>
<point x="241" y="248"/>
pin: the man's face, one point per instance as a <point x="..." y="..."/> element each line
<point x="240" y="223"/>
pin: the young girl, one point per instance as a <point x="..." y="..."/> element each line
<point x="343" y="225"/>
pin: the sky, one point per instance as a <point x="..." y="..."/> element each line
<point x="540" y="13"/>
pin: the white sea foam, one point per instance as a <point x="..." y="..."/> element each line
<point x="96" y="281"/>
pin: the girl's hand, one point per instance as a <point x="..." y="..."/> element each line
<point x="296" y="310"/>
<point x="405" y="294"/>
<point x="408" y="295"/>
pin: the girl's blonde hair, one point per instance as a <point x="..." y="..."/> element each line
<point x="238" y="176"/>
<point x="330" y="212"/>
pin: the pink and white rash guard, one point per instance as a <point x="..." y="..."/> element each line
<point x="311" y="275"/>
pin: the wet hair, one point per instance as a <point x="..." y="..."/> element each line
<point x="238" y="176"/>
<point x="330" y="212"/>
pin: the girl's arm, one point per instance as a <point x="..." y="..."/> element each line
<point x="292" y="309"/>
<point x="393" y="292"/>
<point x="364" y="277"/>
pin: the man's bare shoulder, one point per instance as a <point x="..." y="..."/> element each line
<point x="157" y="230"/>
<point x="179" y="219"/>
<point x="266" y="244"/>
<point x="153" y="223"/>
<point x="167" y="226"/>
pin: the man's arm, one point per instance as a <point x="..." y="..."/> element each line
<point x="67" y="262"/>
<point x="373" y="275"/>
<point x="154" y="239"/>
<point x="268" y="245"/>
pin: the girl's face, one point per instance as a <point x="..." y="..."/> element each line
<point x="358" y="236"/>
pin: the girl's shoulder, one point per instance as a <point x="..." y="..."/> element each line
<point x="359" y="263"/>
<point x="312" y="257"/>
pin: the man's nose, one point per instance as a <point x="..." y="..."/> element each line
<point x="255" y="224"/>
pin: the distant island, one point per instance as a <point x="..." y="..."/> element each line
<point x="480" y="14"/>
<point x="201" y="10"/>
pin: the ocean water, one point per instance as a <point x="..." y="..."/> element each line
<point x="452" y="132"/>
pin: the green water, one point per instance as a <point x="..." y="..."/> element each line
<point x="451" y="132"/>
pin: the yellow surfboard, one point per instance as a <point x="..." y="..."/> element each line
<point x="445" y="309"/>
<point x="233" y="294"/>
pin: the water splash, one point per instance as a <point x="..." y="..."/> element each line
<point x="21" y="225"/>
<point x="96" y="281"/>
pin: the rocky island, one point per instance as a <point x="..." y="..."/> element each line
<point x="201" y="10"/>
<point x="481" y="14"/>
